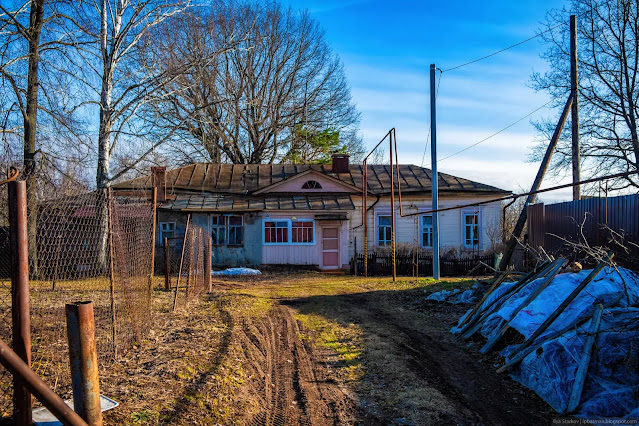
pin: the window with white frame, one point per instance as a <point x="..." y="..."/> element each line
<point x="227" y="230"/>
<point x="167" y="230"/>
<point x="427" y="230"/>
<point x="470" y="222"/>
<point x="384" y="230"/>
<point x="288" y="231"/>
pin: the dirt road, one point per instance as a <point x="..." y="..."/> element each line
<point x="413" y="371"/>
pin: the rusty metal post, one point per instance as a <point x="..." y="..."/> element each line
<point x="112" y="275"/>
<point x="365" y="215"/>
<point x="20" y="370"/>
<point x="154" y="201"/>
<point x="21" y="321"/>
<point x="167" y="265"/>
<point x="83" y="360"/>
<point x="392" y="203"/>
<point x="208" y="260"/>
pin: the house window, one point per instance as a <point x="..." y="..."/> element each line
<point x="286" y="231"/>
<point x="218" y="230"/>
<point x="167" y="230"/>
<point x="312" y="184"/>
<point x="236" y="230"/>
<point x="471" y="229"/>
<point x="383" y="230"/>
<point x="427" y="231"/>
<point x="276" y="231"/>
<point x="302" y="232"/>
<point x="227" y="230"/>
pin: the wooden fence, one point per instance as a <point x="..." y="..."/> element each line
<point x="597" y="221"/>
<point x="381" y="264"/>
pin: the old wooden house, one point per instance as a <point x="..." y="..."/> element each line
<point x="266" y="214"/>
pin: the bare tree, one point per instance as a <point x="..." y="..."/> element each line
<point x="30" y="50"/>
<point x="608" y="85"/>
<point x="265" y="72"/>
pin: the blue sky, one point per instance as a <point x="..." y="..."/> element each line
<point x="387" y="47"/>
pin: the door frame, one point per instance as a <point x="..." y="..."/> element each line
<point x="338" y="226"/>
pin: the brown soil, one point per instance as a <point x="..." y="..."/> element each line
<point x="415" y="371"/>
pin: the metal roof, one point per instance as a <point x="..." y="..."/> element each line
<point x="247" y="178"/>
<point x="232" y="202"/>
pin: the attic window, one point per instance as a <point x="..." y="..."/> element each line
<point x="311" y="184"/>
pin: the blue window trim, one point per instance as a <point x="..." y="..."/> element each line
<point x="377" y="215"/>
<point x="465" y="213"/>
<point x="421" y="232"/>
<point x="289" y="230"/>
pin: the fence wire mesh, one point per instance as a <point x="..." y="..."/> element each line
<point x="190" y="281"/>
<point x="89" y="247"/>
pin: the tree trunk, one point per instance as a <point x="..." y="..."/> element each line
<point x="104" y="142"/>
<point x="30" y="121"/>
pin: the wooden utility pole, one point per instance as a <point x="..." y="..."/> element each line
<point x="434" y="176"/>
<point x="519" y="227"/>
<point x="574" y="91"/>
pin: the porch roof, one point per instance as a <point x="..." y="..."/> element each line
<point x="221" y="202"/>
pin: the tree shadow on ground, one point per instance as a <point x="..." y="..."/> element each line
<point x="184" y="402"/>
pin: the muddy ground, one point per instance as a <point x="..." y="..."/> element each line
<point x="316" y="350"/>
<point x="413" y="371"/>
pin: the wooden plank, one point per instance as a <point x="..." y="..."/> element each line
<point x="576" y="323"/>
<point x="500" y="331"/>
<point x="562" y="307"/>
<point x="582" y="370"/>
<point x="474" y="325"/>
<point x="500" y="279"/>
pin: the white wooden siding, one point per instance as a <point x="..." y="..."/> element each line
<point x="408" y="228"/>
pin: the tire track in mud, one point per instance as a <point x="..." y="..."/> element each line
<point x="292" y="386"/>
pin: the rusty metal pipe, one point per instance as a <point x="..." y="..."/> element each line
<point x="20" y="370"/>
<point x="83" y="359"/>
<point x="208" y="260"/>
<point x="21" y="322"/>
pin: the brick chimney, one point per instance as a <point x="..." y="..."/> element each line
<point x="340" y="163"/>
<point x="159" y="182"/>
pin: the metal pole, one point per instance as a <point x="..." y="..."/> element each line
<point x="112" y="274"/>
<point x="208" y="260"/>
<point x="36" y="386"/>
<point x="154" y="201"/>
<point x="167" y="265"/>
<point x="392" y="203"/>
<point x="21" y="321"/>
<point x="83" y="360"/>
<point x="365" y="216"/>
<point x="434" y="176"/>
<point x="574" y="90"/>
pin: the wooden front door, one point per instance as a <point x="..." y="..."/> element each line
<point x="330" y="247"/>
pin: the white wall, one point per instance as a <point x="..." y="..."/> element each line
<point x="408" y="228"/>
<point x="298" y="254"/>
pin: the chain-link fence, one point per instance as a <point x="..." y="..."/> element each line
<point x="191" y="278"/>
<point x="90" y="246"/>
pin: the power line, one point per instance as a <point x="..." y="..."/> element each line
<point x="430" y="126"/>
<point x="503" y="50"/>
<point x="496" y="133"/>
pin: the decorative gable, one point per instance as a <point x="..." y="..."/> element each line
<point x="309" y="181"/>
